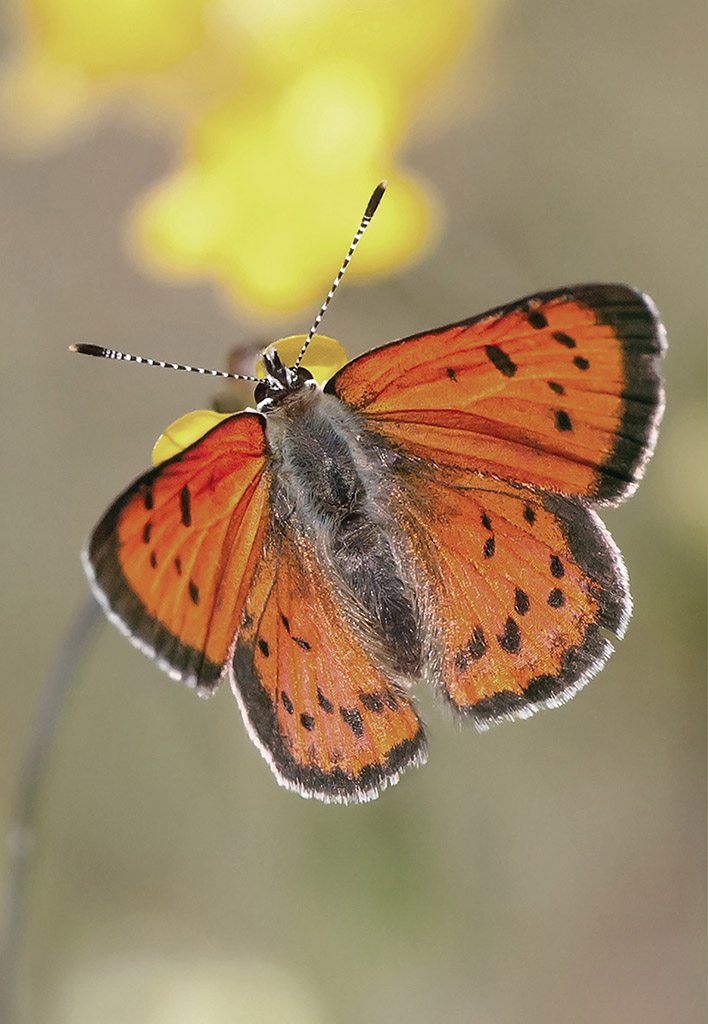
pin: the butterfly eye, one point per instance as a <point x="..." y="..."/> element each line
<point x="272" y="389"/>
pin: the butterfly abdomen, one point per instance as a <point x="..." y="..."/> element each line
<point x="329" y="486"/>
<point x="366" y="563"/>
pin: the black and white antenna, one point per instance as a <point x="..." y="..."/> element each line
<point x="126" y="357"/>
<point x="368" y="214"/>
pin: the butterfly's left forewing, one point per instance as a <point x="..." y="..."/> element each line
<point x="172" y="559"/>
<point x="559" y="391"/>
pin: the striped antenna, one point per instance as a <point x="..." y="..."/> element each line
<point x="110" y="353"/>
<point x="368" y="214"/>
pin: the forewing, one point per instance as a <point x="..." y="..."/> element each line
<point x="326" y="718"/>
<point x="172" y="559"/>
<point x="559" y="391"/>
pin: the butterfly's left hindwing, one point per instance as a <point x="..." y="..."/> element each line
<point x="172" y="559"/>
<point x="523" y="585"/>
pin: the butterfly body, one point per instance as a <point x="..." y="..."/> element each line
<point x="331" y="491"/>
<point x="424" y="515"/>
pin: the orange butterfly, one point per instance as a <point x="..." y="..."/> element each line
<point x="423" y="515"/>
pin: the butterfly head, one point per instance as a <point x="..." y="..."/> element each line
<point x="280" y="381"/>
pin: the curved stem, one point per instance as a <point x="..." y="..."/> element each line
<point x="31" y="776"/>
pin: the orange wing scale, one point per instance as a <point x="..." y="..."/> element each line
<point x="523" y="584"/>
<point x="173" y="558"/>
<point x="558" y="391"/>
<point x="326" y="719"/>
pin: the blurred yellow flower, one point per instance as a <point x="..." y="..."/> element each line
<point x="289" y="113"/>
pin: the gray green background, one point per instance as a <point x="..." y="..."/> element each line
<point x="548" y="872"/>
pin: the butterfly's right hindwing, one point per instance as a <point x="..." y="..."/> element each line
<point x="329" y="722"/>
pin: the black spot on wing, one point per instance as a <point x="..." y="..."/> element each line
<point x="510" y="639"/>
<point x="477" y="646"/>
<point x="372" y="702"/>
<point x="537" y="320"/>
<point x="521" y="601"/>
<point x="556" y="598"/>
<point x="307" y="721"/>
<point x="147" y="530"/>
<point x="555" y="387"/>
<point x="286" y="702"/>
<point x="301" y="643"/>
<point x="564" y="339"/>
<point x="153" y="560"/>
<point x="489" y="545"/>
<point x="581" y="362"/>
<point x="185" y="504"/>
<point x="529" y="514"/>
<point x="352" y="718"/>
<point x="324" y="703"/>
<point x="263" y="647"/>
<point x="557" y="570"/>
<point x="194" y="592"/>
<point x="451" y="373"/>
<point x="500" y="360"/>
<point x="475" y="649"/>
<point x="563" y="421"/>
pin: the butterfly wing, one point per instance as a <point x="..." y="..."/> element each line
<point x="319" y="709"/>
<point x="559" y="391"/>
<point x="172" y="559"/>
<point x="524" y="583"/>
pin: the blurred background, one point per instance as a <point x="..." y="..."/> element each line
<point x="179" y="178"/>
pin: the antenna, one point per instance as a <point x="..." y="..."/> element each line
<point x="368" y="214"/>
<point x="110" y="353"/>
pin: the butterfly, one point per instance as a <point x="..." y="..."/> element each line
<point x="425" y="514"/>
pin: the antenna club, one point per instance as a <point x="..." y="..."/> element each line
<point x="88" y="350"/>
<point x="376" y="198"/>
